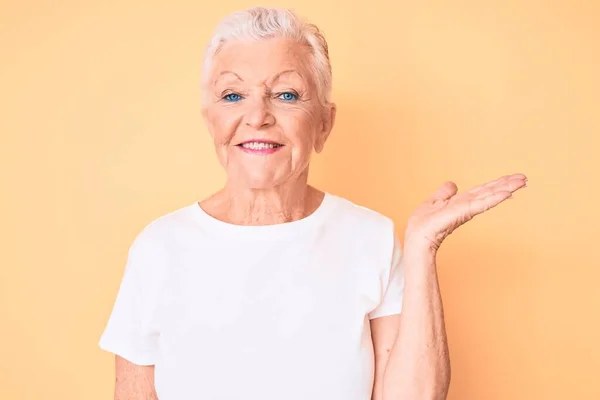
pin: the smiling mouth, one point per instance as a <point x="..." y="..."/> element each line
<point x="259" y="145"/>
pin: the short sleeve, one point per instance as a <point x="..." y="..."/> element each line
<point x="133" y="329"/>
<point x="391" y="302"/>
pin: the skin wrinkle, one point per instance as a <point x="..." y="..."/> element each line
<point x="411" y="351"/>
<point x="265" y="189"/>
<point x="260" y="190"/>
<point x="133" y="382"/>
<point x="299" y="86"/>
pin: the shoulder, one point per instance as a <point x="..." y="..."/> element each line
<point x="363" y="228"/>
<point x="369" y="236"/>
<point x="151" y="252"/>
<point x="355" y="215"/>
<point x="156" y="234"/>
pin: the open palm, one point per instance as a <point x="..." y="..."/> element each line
<point x="446" y="209"/>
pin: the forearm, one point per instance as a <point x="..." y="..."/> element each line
<point x="133" y="382"/>
<point x="419" y="365"/>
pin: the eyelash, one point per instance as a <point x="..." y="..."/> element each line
<point x="289" y="92"/>
<point x="228" y="96"/>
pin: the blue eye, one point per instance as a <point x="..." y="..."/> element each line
<point x="232" y="97"/>
<point x="288" y="96"/>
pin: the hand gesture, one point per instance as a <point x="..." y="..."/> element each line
<point x="446" y="209"/>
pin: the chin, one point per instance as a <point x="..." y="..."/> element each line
<point x="262" y="182"/>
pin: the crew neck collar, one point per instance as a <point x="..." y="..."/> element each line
<point x="217" y="226"/>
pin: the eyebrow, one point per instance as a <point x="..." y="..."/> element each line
<point x="287" y="71"/>
<point x="274" y="79"/>
<point x="228" y="72"/>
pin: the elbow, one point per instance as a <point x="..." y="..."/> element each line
<point x="436" y="389"/>
<point x="438" y="384"/>
<point x="441" y="383"/>
<point x="431" y="385"/>
<point x="444" y="386"/>
<point x="443" y="377"/>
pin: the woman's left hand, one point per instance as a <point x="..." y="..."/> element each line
<point x="446" y="209"/>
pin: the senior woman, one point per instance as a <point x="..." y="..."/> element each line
<point x="271" y="289"/>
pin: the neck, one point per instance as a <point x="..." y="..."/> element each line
<point x="245" y="206"/>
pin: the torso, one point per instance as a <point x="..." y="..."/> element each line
<point x="266" y="312"/>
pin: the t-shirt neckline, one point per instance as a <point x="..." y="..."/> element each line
<point x="217" y="226"/>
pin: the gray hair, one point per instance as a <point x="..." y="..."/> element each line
<point x="260" y="23"/>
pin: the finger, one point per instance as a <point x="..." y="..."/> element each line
<point x="444" y="192"/>
<point x="485" y="186"/>
<point x="514" y="181"/>
<point x="509" y="186"/>
<point x="482" y="204"/>
<point x="512" y="185"/>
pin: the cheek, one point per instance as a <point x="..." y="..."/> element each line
<point x="301" y="128"/>
<point x="222" y="127"/>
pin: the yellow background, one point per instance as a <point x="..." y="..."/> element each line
<point x="101" y="132"/>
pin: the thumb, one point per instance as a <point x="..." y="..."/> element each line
<point x="444" y="192"/>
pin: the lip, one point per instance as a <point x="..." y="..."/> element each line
<point x="258" y="141"/>
<point x="260" y="151"/>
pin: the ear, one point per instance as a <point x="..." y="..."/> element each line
<point x="328" y="119"/>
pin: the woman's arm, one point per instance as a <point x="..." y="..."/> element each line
<point x="419" y="363"/>
<point x="384" y="331"/>
<point x="419" y="366"/>
<point x="133" y="382"/>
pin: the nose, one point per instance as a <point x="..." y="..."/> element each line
<point x="258" y="115"/>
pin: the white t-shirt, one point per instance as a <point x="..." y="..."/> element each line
<point x="231" y="312"/>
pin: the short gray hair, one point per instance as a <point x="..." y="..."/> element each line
<point x="260" y="23"/>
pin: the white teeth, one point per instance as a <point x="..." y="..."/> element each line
<point x="259" y="145"/>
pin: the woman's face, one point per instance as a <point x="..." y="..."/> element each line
<point x="263" y="112"/>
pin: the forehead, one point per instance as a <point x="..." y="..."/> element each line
<point x="260" y="60"/>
